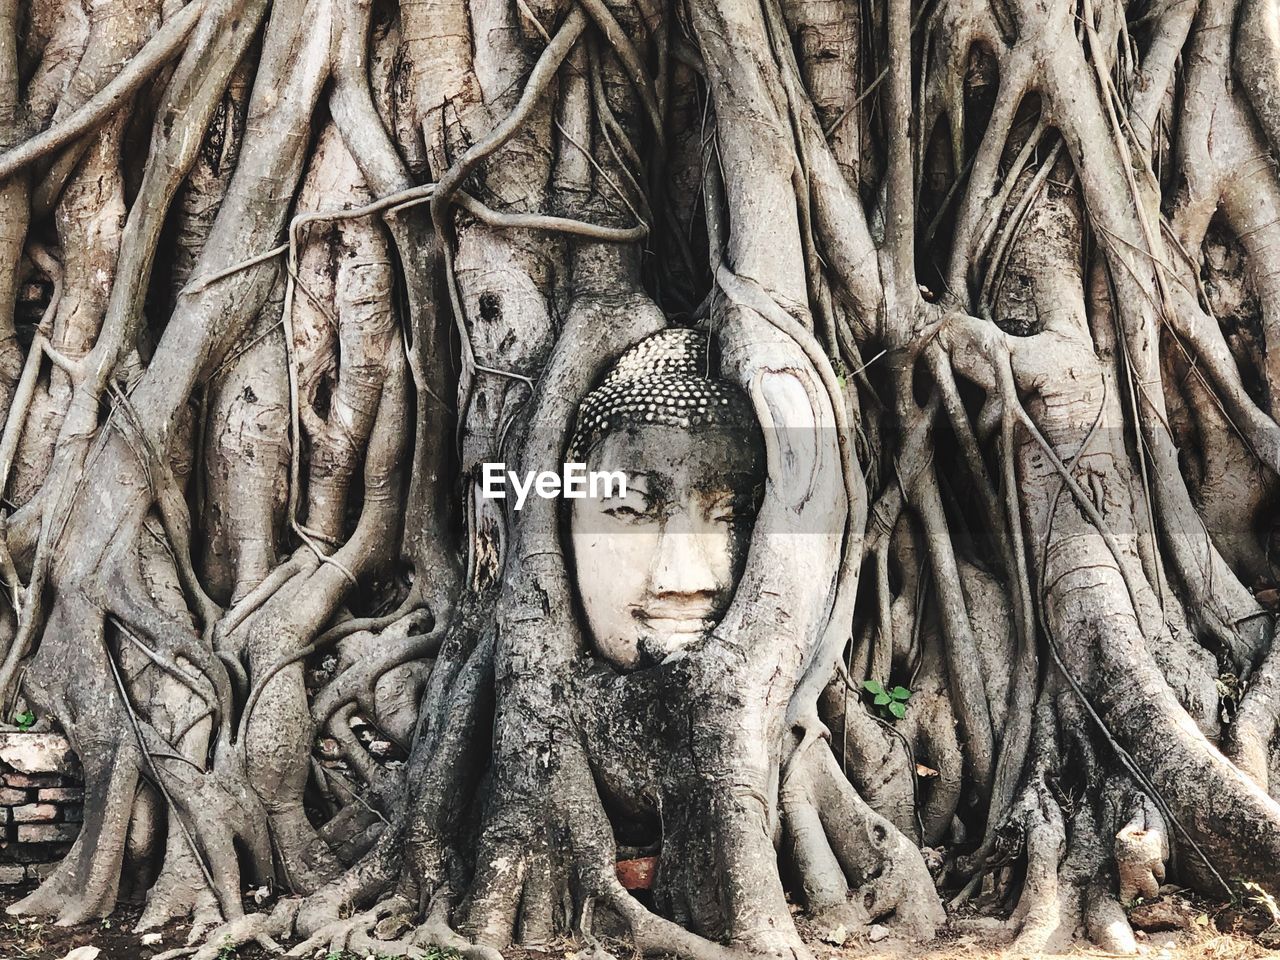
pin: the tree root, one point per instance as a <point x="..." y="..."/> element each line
<point x="885" y="869"/>
<point x="500" y="827"/>
<point x="180" y="892"/>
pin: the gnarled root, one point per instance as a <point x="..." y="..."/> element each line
<point x="886" y="872"/>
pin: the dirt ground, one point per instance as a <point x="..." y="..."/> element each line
<point x="1222" y="933"/>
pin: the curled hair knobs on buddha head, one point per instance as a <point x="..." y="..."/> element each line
<point x="666" y="379"/>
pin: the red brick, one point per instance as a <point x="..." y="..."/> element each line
<point x="33" y="779"/>
<point x="62" y="795"/>
<point x="35" y="813"/>
<point x="637" y="874"/>
<point x="47" y="832"/>
<point x="11" y="797"/>
<point x="11" y="873"/>
<point x="36" y="851"/>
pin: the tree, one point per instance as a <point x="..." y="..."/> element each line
<point x="997" y="276"/>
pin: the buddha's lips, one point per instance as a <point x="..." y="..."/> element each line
<point x="696" y="619"/>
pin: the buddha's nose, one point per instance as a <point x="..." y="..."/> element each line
<point x="683" y="563"/>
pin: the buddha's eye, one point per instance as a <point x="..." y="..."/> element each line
<point x="635" y="507"/>
<point x="627" y="512"/>
<point x="727" y="515"/>
<point x="731" y="509"/>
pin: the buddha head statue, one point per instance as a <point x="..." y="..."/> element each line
<point x="656" y="565"/>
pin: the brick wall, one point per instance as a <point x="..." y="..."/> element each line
<point x="41" y="800"/>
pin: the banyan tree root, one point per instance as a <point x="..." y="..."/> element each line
<point x="997" y="282"/>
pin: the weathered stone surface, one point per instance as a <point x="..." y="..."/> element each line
<point x="47" y="832"/>
<point x="39" y="753"/>
<point x="35" y="813"/>
<point x="61" y="795"/>
<point x="1166" y="913"/>
<point x="11" y="873"/>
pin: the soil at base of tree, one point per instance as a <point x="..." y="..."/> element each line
<point x="1227" y="934"/>
<point x="35" y="938"/>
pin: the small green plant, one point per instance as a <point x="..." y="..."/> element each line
<point x="891" y="702"/>
<point x="841" y="373"/>
<point x="228" y="950"/>
<point x="25" y="720"/>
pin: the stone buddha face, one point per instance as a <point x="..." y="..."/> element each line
<point x="656" y="566"/>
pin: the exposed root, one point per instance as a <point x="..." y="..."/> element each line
<point x="1141" y="852"/>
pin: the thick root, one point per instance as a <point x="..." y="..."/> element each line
<point x="180" y="892"/>
<point x="886" y="871"/>
<point x="260" y="928"/>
